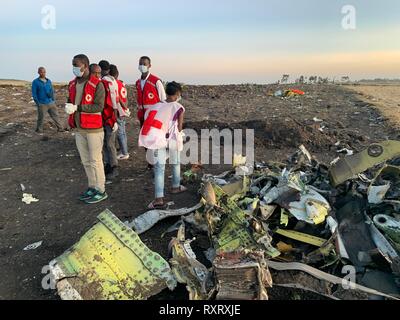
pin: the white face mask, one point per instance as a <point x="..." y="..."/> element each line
<point x="77" y="72"/>
<point x="143" y="68"/>
<point x="179" y="99"/>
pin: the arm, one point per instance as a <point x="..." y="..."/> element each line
<point x="98" y="101"/>
<point x="123" y="105"/>
<point x="180" y="120"/>
<point x="118" y="113"/>
<point x="161" y="91"/>
<point x="68" y="98"/>
<point x="126" y="105"/>
<point x="34" y="92"/>
<point x="140" y="116"/>
<point x="52" y="92"/>
<point x="113" y="94"/>
<point x="123" y="109"/>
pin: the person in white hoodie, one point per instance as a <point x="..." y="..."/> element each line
<point x="162" y="133"/>
<point x="123" y="114"/>
<point x="110" y="116"/>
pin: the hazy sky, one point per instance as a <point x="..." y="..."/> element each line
<point x="207" y="41"/>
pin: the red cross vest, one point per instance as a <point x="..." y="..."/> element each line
<point x="87" y="120"/>
<point x="148" y="96"/>
<point x="108" y="113"/>
<point x="122" y="92"/>
<point x="160" y="125"/>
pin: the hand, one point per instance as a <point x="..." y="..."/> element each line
<point x="182" y="133"/>
<point x="115" y="128"/>
<point x="70" y="108"/>
<point x="180" y="136"/>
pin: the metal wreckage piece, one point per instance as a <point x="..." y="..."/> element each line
<point x="188" y="270"/>
<point x="385" y="247"/>
<point x="240" y="272"/>
<point x="389" y="227"/>
<point x="350" y="166"/>
<point x="384" y="185"/>
<point x="147" y="220"/>
<point x="242" y="276"/>
<point x="110" y="262"/>
<point x="230" y="233"/>
<point x="235" y="229"/>
<point x="302" y="276"/>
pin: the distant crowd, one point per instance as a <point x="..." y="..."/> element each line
<point x="97" y="109"/>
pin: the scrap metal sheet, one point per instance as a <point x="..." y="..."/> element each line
<point x="111" y="262"/>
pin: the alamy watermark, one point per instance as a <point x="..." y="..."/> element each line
<point x="349" y="20"/>
<point x="349" y="280"/>
<point x="206" y="148"/>
<point x="49" y="19"/>
<point x="48" y="281"/>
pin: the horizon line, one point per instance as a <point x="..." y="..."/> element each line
<point x="330" y="81"/>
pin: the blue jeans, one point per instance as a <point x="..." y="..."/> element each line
<point x="109" y="149"/>
<point x="160" y="156"/>
<point x="122" y="138"/>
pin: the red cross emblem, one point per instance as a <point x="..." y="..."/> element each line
<point x="88" y="98"/>
<point x="123" y="93"/>
<point x="151" y="122"/>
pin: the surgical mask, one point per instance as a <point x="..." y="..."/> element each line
<point x="179" y="99"/>
<point x="143" y="68"/>
<point x="77" y="72"/>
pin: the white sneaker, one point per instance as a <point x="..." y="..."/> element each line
<point x="123" y="157"/>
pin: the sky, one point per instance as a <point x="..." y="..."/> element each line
<point x="203" y="42"/>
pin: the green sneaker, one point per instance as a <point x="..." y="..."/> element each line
<point x="98" y="197"/>
<point x="88" y="194"/>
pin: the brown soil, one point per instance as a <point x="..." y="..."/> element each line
<point x="386" y="98"/>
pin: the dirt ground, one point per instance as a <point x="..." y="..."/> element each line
<point x="49" y="167"/>
<point x="385" y="97"/>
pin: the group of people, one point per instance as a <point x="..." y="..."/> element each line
<point x="97" y="109"/>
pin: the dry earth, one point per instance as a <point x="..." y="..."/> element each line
<point x="385" y="97"/>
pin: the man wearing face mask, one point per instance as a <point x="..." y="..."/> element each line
<point x="150" y="89"/>
<point x="85" y="106"/>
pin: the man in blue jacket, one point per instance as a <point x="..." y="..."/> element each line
<point x="43" y="95"/>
